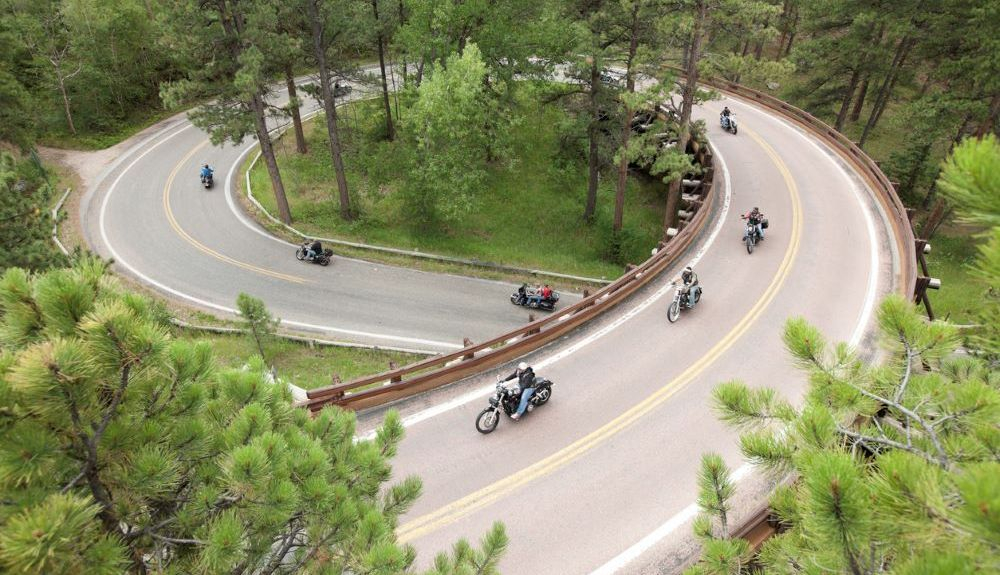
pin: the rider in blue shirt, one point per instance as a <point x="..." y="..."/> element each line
<point x="206" y="172"/>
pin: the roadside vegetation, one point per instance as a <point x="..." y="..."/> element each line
<point x="892" y="468"/>
<point x="526" y="211"/>
<point x="128" y="451"/>
<point x="299" y="363"/>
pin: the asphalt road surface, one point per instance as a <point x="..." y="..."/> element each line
<point x="602" y="478"/>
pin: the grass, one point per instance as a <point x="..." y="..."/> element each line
<point x="960" y="295"/>
<point x="527" y="216"/>
<point x="99" y="140"/>
<point x="299" y="364"/>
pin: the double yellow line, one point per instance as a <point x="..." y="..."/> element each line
<point x="202" y="247"/>
<point x="488" y="495"/>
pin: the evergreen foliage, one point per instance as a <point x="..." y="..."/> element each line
<point x="970" y="179"/>
<point x="25" y="221"/>
<point x="897" y="464"/>
<point x="125" y="451"/>
<point x="258" y="320"/>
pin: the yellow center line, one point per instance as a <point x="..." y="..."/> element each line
<point x="486" y="496"/>
<point x="202" y="247"/>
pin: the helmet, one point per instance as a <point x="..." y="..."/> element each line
<point x="688" y="270"/>
<point x="522" y="366"/>
<point x="206" y="165"/>
<point x="756" y="209"/>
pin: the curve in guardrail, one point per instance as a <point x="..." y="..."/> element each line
<point x="442" y="370"/>
<point x="884" y="190"/>
<point x="762" y="524"/>
<point x="422" y="376"/>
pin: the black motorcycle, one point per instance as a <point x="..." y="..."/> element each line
<point x="323" y="259"/>
<point x="522" y="296"/>
<point x="751" y="236"/>
<point x="684" y="298"/>
<point x="507" y="399"/>
<point x="207" y="181"/>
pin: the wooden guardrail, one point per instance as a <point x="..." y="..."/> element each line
<point x="441" y="370"/>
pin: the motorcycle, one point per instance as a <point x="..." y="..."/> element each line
<point x="507" y="399"/>
<point x="521" y="296"/>
<point x="207" y="181"/>
<point x="728" y="123"/>
<point x="751" y="236"/>
<point x="323" y="259"/>
<point x="683" y="299"/>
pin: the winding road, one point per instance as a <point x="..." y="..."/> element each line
<point x="602" y="478"/>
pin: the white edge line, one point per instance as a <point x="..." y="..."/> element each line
<point x="118" y="259"/>
<point x="486" y="390"/>
<point x="688" y="513"/>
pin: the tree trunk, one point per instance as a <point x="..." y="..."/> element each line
<point x="859" y="102"/>
<point x="791" y="33"/>
<point x="848" y="95"/>
<point x="293" y="107"/>
<point x="592" y="132"/>
<point x="267" y="151"/>
<point x="65" y="98"/>
<point x="908" y="185"/>
<point x="989" y="124"/>
<point x="687" y="102"/>
<point x="785" y="23"/>
<point x="330" y="108"/>
<point x="932" y="191"/>
<point x="390" y="131"/>
<point x="882" y="100"/>
<point x="627" y="132"/>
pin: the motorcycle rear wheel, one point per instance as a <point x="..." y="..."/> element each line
<point x="324" y="261"/>
<point x="487" y="420"/>
<point x="542" y="396"/>
<point x="674" y="311"/>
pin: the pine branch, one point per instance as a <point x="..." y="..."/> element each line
<point x="887" y="442"/>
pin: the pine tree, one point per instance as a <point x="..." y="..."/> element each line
<point x="970" y="179"/>
<point x="897" y="464"/>
<point x="258" y="320"/>
<point x="25" y="223"/>
<point x="124" y="451"/>
<point x="235" y="50"/>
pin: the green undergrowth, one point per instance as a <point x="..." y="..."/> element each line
<point x="528" y="215"/>
<point x="297" y="363"/>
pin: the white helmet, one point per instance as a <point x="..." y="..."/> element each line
<point x="522" y="366"/>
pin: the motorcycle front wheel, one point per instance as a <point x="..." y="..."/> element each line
<point x="674" y="311"/>
<point x="487" y="420"/>
<point x="735" y="129"/>
<point x="300" y="254"/>
<point x="749" y="244"/>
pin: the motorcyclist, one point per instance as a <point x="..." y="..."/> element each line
<point x="206" y="173"/>
<point x="725" y="116"/>
<point x="536" y="296"/>
<point x="755" y="217"/>
<point x="690" y="288"/>
<point x="314" y="250"/>
<point x="522" y="294"/>
<point x="526" y="381"/>
<point x="546" y="292"/>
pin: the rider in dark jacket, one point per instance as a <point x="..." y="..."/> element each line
<point x="755" y="217"/>
<point x="315" y="249"/>
<point x="526" y="380"/>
